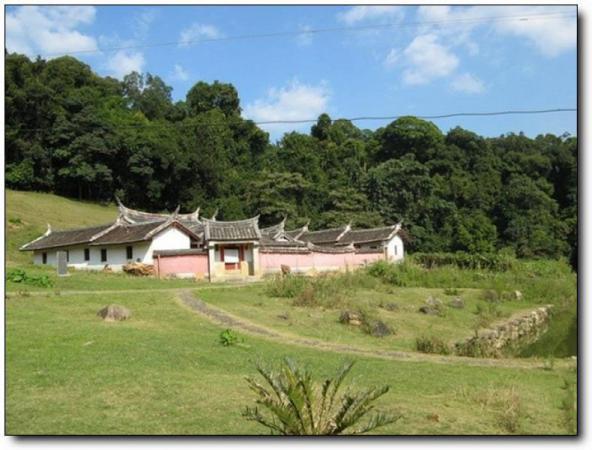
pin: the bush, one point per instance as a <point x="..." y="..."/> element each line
<point x="499" y="262"/>
<point x="432" y="344"/>
<point x="386" y="272"/>
<point x="20" y="276"/>
<point x="228" y="338"/>
<point x="285" y="286"/>
<point x="297" y="405"/>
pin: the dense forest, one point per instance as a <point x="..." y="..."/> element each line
<point x="74" y="133"/>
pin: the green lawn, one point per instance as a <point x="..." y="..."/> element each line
<point x="252" y="303"/>
<point x="163" y="372"/>
<point x="87" y="280"/>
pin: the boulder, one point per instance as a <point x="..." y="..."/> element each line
<point x="434" y="302"/>
<point x="350" y="318"/>
<point x="380" y="329"/>
<point x="112" y="313"/>
<point x="457" y="303"/>
<point x="433" y="306"/>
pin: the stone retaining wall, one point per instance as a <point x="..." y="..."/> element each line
<point x="514" y="333"/>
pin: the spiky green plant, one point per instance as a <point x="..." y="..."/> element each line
<point x="297" y="405"/>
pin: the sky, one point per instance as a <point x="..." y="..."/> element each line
<point x="399" y="60"/>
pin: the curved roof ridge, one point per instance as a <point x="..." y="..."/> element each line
<point x="126" y="212"/>
<point x="231" y="222"/>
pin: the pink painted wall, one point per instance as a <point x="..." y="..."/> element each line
<point x="271" y="262"/>
<point x="182" y="264"/>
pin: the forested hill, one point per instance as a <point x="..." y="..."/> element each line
<point x="74" y="133"/>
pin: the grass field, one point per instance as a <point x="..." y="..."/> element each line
<point x="252" y="303"/>
<point x="165" y="372"/>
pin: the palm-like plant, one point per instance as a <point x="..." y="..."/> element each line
<point x="299" y="406"/>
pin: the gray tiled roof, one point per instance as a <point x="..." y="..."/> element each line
<point x="237" y="230"/>
<point x="65" y="238"/>
<point x="124" y="234"/>
<point x="328" y="236"/>
<point x="367" y="235"/>
<point x="119" y="232"/>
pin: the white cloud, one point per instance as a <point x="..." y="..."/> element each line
<point x="426" y="59"/>
<point x="125" y="61"/>
<point x="179" y="73"/>
<point x="295" y="101"/>
<point x="550" y="35"/>
<point x="357" y="14"/>
<point x="392" y="58"/>
<point x="49" y="30"/>
<point x="467" y="83"/>
<point x="143" y="22"/>
<point x="198" y="31"/>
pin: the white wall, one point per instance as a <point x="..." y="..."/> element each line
<point x="169" y="239"/>
<point x="395" y="249"/>
<point x="116" y="256"/>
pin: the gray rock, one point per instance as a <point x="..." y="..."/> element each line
<point x="457" y="303"/>
<point x="380" y="329"/>
<point x="112" y="313"/>
<point x="429" y="310"/>
<point x="434" y="302"/>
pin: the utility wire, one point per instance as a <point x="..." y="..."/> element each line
<point x="521" y="17"/>
<point x="352" y="119"/>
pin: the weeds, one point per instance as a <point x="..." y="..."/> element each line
<point x="20" y="276"/>
<point x="507" y="406"/>
<point x="569" y="406"/>
<point x="229" y="338"/>
<point x="432" y="344"/>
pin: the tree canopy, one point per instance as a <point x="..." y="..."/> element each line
<point x="74" y="133"/>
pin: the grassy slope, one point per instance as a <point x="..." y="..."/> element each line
<point x="252" y="303"/>
<point x="163" y="372"/>
<point x="28" y="213"/>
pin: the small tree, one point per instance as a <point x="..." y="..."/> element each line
<point x="300" y="406"/>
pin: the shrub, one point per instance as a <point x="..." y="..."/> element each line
<point x="228" y="338"/>
<point x="432" y="344"/>
<point x="452" y="291"/>
<point x="20" y="276"/>
<point x="498" y="262"/>
<point x="306" y="298"/>
<point x="386" y="272"/>
<point x="285" y="286"/>
<point x="297" y="405"/>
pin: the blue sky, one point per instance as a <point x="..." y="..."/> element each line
<point x="433" y="60"/>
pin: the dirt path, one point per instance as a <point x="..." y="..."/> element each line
<point x="59" y="292"/>
<point x="221" y="317"/>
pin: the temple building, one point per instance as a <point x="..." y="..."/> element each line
<point x="188" y="245"/>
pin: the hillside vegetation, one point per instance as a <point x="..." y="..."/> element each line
<point x="75" y="133"/>
<point x="28" y="213"/>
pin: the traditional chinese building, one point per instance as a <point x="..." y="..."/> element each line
<point x="187" y="245"/>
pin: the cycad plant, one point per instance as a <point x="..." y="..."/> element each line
<point x="294" y="404"/>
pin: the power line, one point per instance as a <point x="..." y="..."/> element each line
<point x="440" y="116"/>
<point x="352" y="119"/>
<point x="521" y="17"/>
